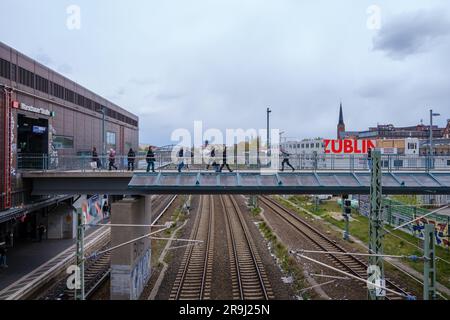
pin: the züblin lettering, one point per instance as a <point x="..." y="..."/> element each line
<point x="348" y="146"/>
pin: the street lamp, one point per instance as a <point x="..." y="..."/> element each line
<point x="103" y="132"/>
<point x="431" y="129"/>
<point x="268" y="133"/>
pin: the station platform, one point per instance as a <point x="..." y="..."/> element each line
<point x="28" y="255"/>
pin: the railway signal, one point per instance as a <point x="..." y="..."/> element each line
<point x="346" y="211"/>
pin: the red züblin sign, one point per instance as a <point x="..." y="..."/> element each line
<point x="349" y="146"/>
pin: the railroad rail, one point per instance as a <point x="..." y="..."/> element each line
<point x="346" y="263"/>
<point x="194" y="277"/>
<point x="250" y="281"/>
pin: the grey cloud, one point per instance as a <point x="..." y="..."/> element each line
<point x="120" y="91"/>
<point x="169" y="96"/>
<point x="65" y="68"/>
<point x="43" y="58"/>
<point x="411" y="33"/>
<point x="141" y="81"/>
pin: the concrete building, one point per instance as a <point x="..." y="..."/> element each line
<point x="44" y="113"/>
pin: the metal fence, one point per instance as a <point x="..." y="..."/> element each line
<point x="166" y="161"/>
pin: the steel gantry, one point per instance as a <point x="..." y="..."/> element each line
<point x="376" y="266"/>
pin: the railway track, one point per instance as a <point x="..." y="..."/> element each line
<point x="348" y="263"/>
<point x="250" y="281"/>
<point x="98" y="270"/>
<point x="194" y="277"/>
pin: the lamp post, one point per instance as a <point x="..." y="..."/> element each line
<point x="431" y="129"/>
<point x="103" y="132"/>
<point x="268" y="133"/>
<point x="431" y="138"/>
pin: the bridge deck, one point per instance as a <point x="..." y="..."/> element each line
<point x="248" y="182"/>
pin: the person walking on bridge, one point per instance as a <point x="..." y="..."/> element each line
<point x="150" y="159"/>
<point x="112" y="159"/>
<point x="180" y="159"/>
<point x="131" y="158"/>
<point x="96" y="159"/>
<point x="285" y="159"/>
<point x="224" y="161"/>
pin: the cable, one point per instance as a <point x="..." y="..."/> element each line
<point x="412" y="257"/>
<point x="350" y="275"/>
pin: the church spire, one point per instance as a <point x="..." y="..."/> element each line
<point x="341" y="124"/>
<point x="341" y="115"/>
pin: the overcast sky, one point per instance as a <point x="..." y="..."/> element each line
<point x="223" y="62"/>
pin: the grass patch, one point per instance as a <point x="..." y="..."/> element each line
<point x="255" y="212"/>
<point x="287" y="262"/>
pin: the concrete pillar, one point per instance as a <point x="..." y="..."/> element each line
<point x="130" y="264"/>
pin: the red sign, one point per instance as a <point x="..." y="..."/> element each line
<point x="348" y="146"/>
<point x="15" y="104"/>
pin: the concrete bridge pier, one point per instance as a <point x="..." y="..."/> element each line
<point x="130" y="264"/>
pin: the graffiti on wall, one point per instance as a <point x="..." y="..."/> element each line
<point x="51" y="147"/>
<point x="92" y="210"/>
<point x="140" y="275"/>
<point x="441" y="233"/>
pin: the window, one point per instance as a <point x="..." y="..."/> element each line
<point x="88" y="103"/>
<point x="312" y="145"/>
<point x="412" y="146"/>
<point x="62" y="142"/>
<point x="69" y="95"/>
<point x="41" y="84"/>
<point x="26" y="77"/>
<point x="58" y="91"/>
<point x="81" y="100"/>
<point x="448" y="162"/>
<point x="398" y="163"/>
<point x="317" y="145"/>
<point x="303" y="146"/>
<point x="5" y="69"/>
<point x="307" y="146"/>
<point x="111" y="140"/>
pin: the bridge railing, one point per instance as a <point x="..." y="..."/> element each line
<point x="165" y="161"/>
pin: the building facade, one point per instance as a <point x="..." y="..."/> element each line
<point x="44" y="113"/>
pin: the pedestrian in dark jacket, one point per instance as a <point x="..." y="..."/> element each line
<point x="3" y="257"/>
<point x="95" y="158"/>
<point x="224" y="161"/>
<point x="285" y="160"/>
<point x="180" y="159"/>
<point x="131" y="159"/>
<point x="41" y="231"/>
<point x="150" y="158"/>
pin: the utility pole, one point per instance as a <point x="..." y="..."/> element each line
<point x="103" y="132"/>
<point x="431" y="136"/>
<point x="429" y="268"/>
<point x="268" y="130"/>
<point x="376" y="267"/>
<point x="80" y="257"/>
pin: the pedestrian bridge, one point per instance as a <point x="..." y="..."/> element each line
<point x="244" y="182"/>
